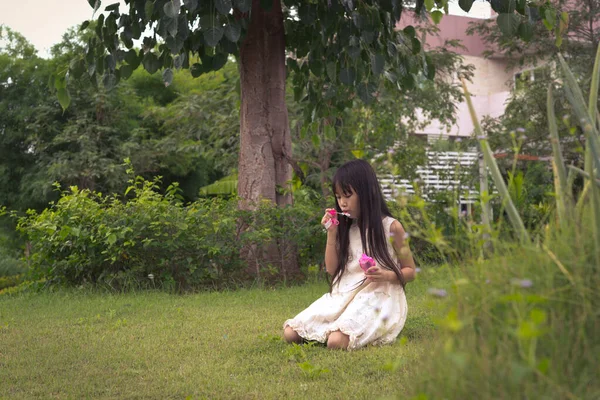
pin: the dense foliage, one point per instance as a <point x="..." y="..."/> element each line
<point x="147" y="239"/>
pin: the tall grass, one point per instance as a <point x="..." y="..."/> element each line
<point x="523" y="323"/>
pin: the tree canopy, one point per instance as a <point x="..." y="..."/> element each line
<point x="348" y="44"/>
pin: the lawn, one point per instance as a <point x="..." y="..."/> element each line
<point x="218" y="345"/>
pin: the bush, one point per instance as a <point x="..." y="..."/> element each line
<point x="11" y="268"/>
<point x="153" y="240"/>
<point x="438" y="232"/>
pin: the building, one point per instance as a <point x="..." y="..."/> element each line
<point x="490" y="89"/>
<point x="492" y="80"/>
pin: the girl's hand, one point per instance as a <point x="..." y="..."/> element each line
<point x="329" y="221"/>
<point x="376" y="274"/>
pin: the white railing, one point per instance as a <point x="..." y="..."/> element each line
<point x="443" y="172"/>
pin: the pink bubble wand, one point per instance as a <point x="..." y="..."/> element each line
<point x="334" y="220"/>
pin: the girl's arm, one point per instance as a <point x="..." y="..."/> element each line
<point x="331" y="254"/>
<point x="407" y="264"/>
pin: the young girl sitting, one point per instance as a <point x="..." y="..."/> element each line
<point x="363" y="306"/>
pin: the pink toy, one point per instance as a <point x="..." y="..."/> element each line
<point x="366" y="262"/>
<point x="334" y="220"/>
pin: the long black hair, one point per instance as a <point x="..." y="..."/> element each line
<point x="359" y="176"/>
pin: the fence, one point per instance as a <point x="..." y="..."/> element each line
<point x="445" y="171"/>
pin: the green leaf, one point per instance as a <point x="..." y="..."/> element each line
<point x="191" y="5"/>
<point x="112" y="7"/>
<point x="213" y="35"/>
<point x="84" y="26"/>
<point x="316" y="66"/>
<point x="316" y="141"/>
<point x="353" y="52"/>
<point x="179" y="60"/>
<point x="347" y="76"/>
<point x="331" y="70"/>
<point x="410" y="31"/>
<point x="366" y="92"/>
<point x="171" y="25"/>
<point x="126" y="71"/>
<point x="330" y="133"/>
<point x="233" y="31"/>
<point x="436" y="16"/>
<point x="149" y="9"/>
<point x="543" y="365"/>
<point x="207" y="21"/>
<point x="223" y="6"/>
<point x="224" y="186"/>
<point x="51" y="80"/>
<point x="377" y="64"/>
<point x="167" y="77"/>
<point x="95" y="4"/>
<point x="358" y="153"/>
<point x="465" y="4"/>
<point x="508" y="23"/>
<point x="525" y="31"/>
<point x="151" y="63"/>
<point x="99" y="25"/>
<point x="218" y="61"/>
<point x="429" y="68"/>
<point x="416" y="45"/>
<point x="550" y="18"/>
<point x="243" y="5"/>
<point x="132" y="58"/>
<point x="563" y="24"/>
<point x="77" y="68"/>
<point x="64" y="98"/>
<point x="60" y="82"/>
<point x="538" y="316"/>
<point x="367" y="37"/>
<point x="171" y="9"/>
<point x="429" y="4"/>
<point x="110" y="61"/>
<point x="197" y="69"/>
<point x="111" y="239"/>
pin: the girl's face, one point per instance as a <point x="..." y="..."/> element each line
<point x="348" y="202"/>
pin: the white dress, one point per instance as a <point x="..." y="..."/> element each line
<point x="372" y="313"/>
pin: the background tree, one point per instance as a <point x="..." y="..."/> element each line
<point x="158" y="128"/>
<point x="349" y="45"/>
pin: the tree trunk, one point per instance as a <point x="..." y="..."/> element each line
<point x="264" y="127"/>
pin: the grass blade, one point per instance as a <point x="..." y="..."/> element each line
<point x="575" y="97"/>
<point x="511" y="210"/>
<point x="563" y="195"/>
<point x="592" y="153"/>
<point x="593" y="105"/>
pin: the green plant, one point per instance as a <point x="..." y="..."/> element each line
<point x="521" y="321"/>
<point x="151" y="240"/>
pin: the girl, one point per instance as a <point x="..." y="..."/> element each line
<point x="362" y="307"/>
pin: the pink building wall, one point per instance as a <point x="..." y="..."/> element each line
<point x="491" y="83"/>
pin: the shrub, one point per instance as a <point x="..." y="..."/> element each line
<point x="11" y="268"/>
<point x="153" y="240"/>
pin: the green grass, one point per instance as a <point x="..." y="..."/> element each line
<point x="209" y="345"/>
